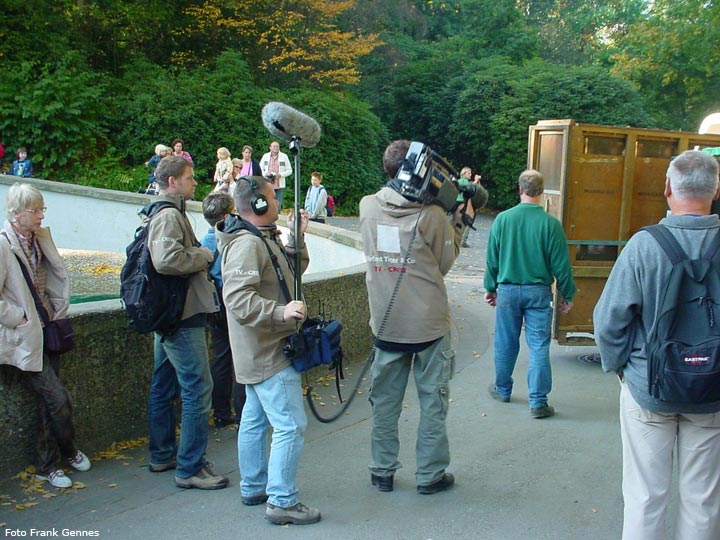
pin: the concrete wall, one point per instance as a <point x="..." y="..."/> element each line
<point x="95" y="219"/>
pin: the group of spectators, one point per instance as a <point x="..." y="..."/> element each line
<point x="274" y="165"/>
<point x="409" y="247"/>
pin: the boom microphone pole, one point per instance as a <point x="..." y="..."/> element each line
<point x="298" y="129"/>
<point x="295" y="149"/>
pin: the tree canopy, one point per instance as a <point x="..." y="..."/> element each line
<point x="90" y="86"/>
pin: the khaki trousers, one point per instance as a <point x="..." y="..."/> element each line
<point x="432" y="368"/>
<point x="650" y="442"/>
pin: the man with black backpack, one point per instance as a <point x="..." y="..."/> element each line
<point x="181" y="355"/>
<point x="654" y="289"/>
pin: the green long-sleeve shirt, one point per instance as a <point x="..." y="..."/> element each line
<point x="527" y="246"/>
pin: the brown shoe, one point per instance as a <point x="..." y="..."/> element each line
<point x="295" y="515"/>
<point x="205" y="478"/>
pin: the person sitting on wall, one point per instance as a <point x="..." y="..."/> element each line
<point x="26" y="248"/>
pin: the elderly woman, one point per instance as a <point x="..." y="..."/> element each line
<point x="23" y="241"/>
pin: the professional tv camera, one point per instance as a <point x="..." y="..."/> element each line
<point x="426" y="177"/>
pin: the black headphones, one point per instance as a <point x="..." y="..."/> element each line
<point x="258" y="203"/>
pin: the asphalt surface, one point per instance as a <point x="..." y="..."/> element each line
<point x="516" y="478"/>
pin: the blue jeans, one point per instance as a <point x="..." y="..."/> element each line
<point x="276" y="402"/>
<point x="181" y="369"/>
<point x="531" y="304"/>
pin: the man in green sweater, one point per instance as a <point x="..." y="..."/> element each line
<point x="526" y="252"/>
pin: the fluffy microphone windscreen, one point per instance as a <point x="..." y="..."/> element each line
<point x="285" y="122"/>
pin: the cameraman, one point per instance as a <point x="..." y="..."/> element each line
<point x="411" y="329"/>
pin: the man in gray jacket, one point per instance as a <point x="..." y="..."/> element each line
<point x="260" y="318"/>
<point x="181" y="357"/>
<point x="417" y="245"/>
<point x="654" y="431"/>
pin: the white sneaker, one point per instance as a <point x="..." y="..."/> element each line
<point x="80" y="462"/>
<point x="55" y="477"/>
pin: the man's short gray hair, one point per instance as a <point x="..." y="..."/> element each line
<point x="531" y="182"/>
<point x="693" y="175"/>
<point x="21" y="197"/>
<point x="170" y="166"/>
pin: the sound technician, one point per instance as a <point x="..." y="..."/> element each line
<point x="260" y="318"/>
<point x="413" y="329"/>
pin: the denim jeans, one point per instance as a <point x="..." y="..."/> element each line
<point x="276" y="402"/>
<point x="181" y="369"/>
<point x="432" y="369"/>
<point x="531" y="304"/>
<point x="56" y="432"/>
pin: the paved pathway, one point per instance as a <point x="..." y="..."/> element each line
<point x="517" y="478"/>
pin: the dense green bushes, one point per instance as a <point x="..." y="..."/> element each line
<point x="479" y="114"/>
<point x="219" y="106"/>
<point x="56" y="111"/>
<point x="82" y="129"/>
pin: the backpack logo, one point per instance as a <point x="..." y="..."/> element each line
<point x="153" y="301"/>
<point x="683" y="346"/>
<point x="696" y="360"/>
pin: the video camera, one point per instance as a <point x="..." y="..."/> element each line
<point x="426" y="177"/>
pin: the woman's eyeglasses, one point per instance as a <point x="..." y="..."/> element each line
<point x="36" y="210"/>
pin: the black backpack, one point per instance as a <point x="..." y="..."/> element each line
<point x="154" y="301"/>
<point x="683" y="349"/>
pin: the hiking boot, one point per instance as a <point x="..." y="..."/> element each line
<point x="295" y="515"/>
<point x="55" y="477"/>
<point x="205" y="478"/>
<point x="162" y="467"/>
<point x="254" y="500"/>
<point x="383" y="483"/>
<point x="465" y="245"/>
<point x="444" y="483"/>
<point x="544" y="411"/>
<point x="80" y="462"/>
<point x="492" y="390"/>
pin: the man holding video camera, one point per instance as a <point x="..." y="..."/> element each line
<point x="409" y="247"/>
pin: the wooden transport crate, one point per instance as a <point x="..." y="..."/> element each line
<point x="603" y="183"/>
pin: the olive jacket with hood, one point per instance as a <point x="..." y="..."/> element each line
<point x="175" y="251"/>
<point x="254" y="299"/>
<point x="21" y="344"/>
<point x="420" y="311"/>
